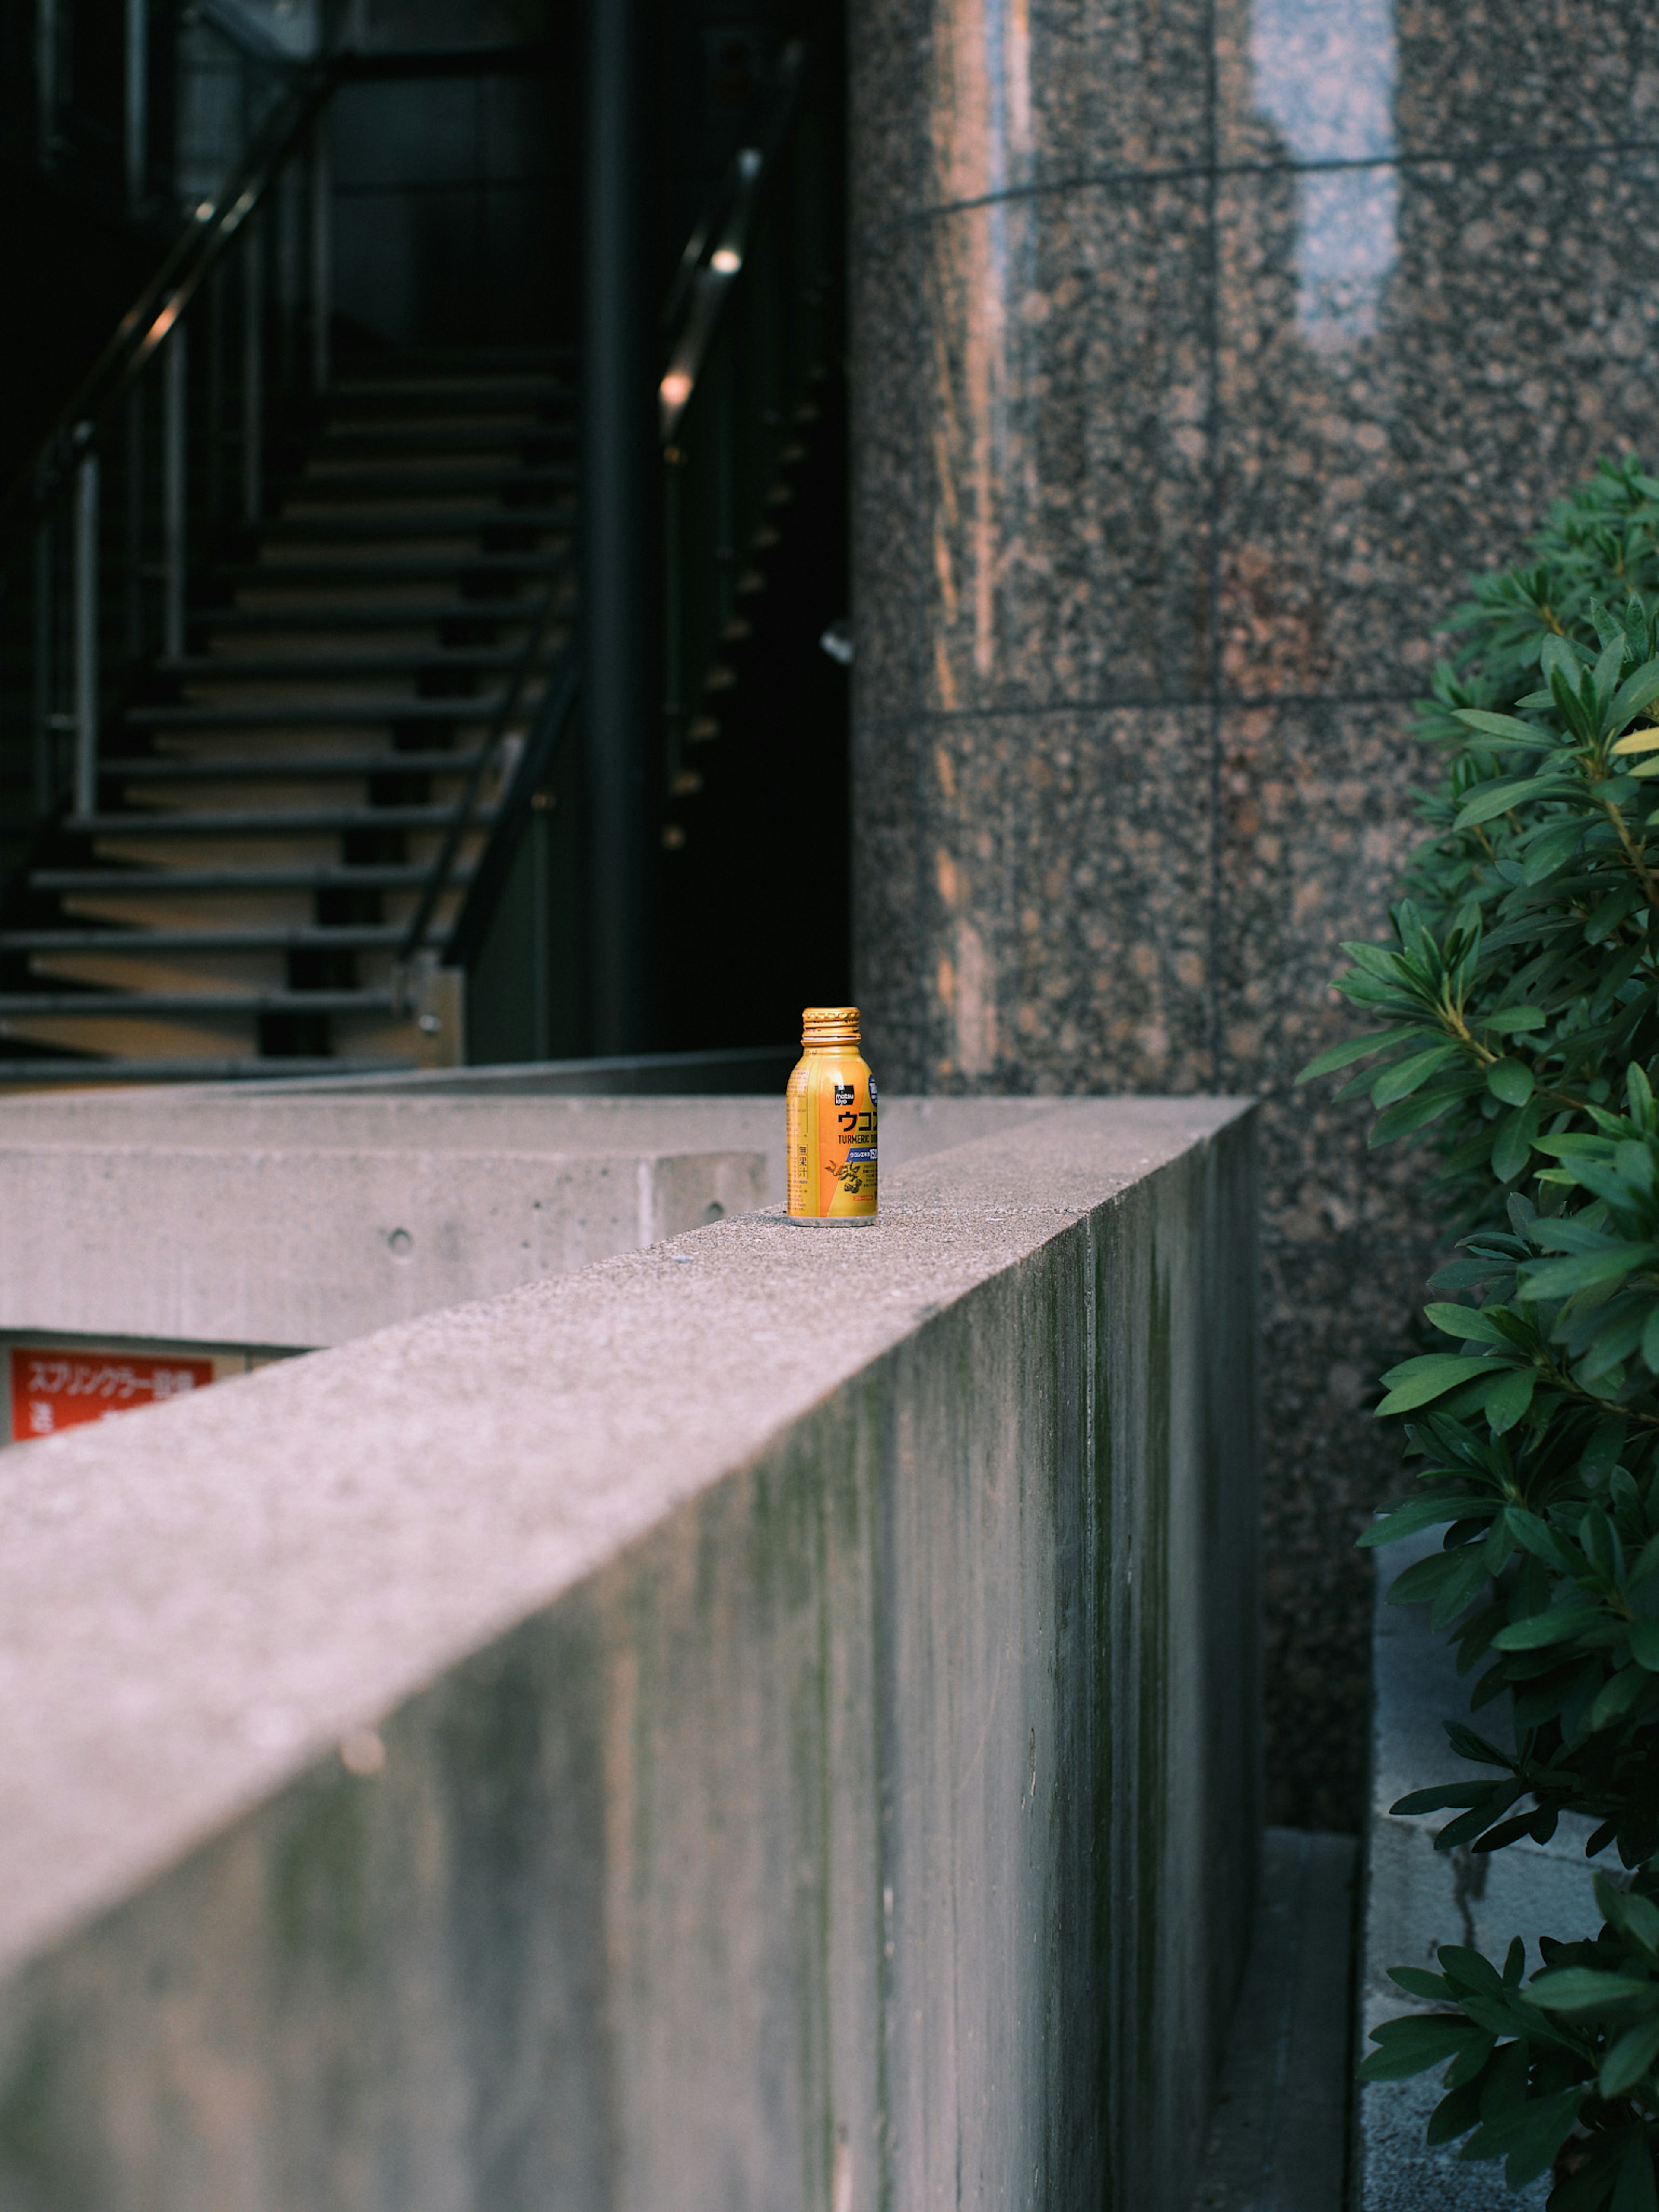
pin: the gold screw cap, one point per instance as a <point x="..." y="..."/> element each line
<point x="830" y="1025"/>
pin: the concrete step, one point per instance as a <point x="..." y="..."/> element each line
<point x="1279" y="2139"/>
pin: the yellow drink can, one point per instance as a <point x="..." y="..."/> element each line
<point x="830" y="1106"/>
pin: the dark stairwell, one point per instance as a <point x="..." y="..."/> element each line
<point x="291" y="703"/>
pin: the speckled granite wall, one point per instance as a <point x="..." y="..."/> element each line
<point x="1200" y="349"/>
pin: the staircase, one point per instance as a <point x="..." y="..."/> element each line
<point x="361" y="674"/>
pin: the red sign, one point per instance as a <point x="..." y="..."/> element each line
<point x="53" y="1390"/>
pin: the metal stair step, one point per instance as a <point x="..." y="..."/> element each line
<point x="276" y="822"/>
<point x="331" y="876"/>
<point x="346" y="937"/>
<point x="326" y="614"/>
<point x="463" y="522"/>
<point x="387" y="479"/>
<point x="418" y="361"/>
<point x="304" y="768"/>
<point x="90" y="1003"/>
<point x="276" y="714"/>
<point x="385" y="568"/>
<point x="437" y="397"/>
<point x="309" y="937"/>
<point x="458" y="438"/>
<point x="314" y="668"/>
<point x="368" y="386"/>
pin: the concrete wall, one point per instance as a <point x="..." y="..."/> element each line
<point x="766" y="1721"/>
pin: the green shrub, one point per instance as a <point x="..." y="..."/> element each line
<point x="1519" y="997"/>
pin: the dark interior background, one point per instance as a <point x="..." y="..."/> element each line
<point x="458" y="225"/>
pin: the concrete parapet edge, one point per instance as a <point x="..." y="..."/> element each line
<point x="799" y="1708"/>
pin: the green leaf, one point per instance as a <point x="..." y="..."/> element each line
<point x="1512" y="1146"/>
<point x="1511" y="1399"/>
<point x="1469" y="1324"/>
<point x="1584" y="1989"/>
<point x="1634" y="1916"/>
<point x="1495" y="798"/>
<point x="1420" y="1382"/>
<point x="1630" y="2058"/>
<point x="1412" y="1114"/>
<point x="1645" y="1644"/>
<point x="1419" y="1513"/>
<point x="1534" y="2137"/>
<point x="1637" y="691"/>
<point x="1554" y="845"/>
<point x="1418" y="1982"/>
<point x="1407" y="1075"/>
<point x="1636" y="2191"/>
<point x="1614" y="1698"/>
<point x="1505" y="1021"/>
<point x="1458" y="2111"/>
<point x="1449" y="1793"/>
<point x="1559" y="1279"/>
<point x="1412" y="2045"/>
<point x="1351" y="1048"/>
<point x="1558" y="1625"/>
<point x="1512" y="732"/>
<point x="1509" y="1080"/>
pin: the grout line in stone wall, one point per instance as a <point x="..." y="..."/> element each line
<point x="1148" y="702"/>
<point x="1210" y="170"/>
<point x="1213" y="428"/>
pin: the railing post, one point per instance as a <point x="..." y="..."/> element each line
<point x="619" y="448"/>
<point x="173" y="432"/>
<point x="253" y="371"/>
<point x="45" y="79"/>
<point x="137" y="103"/>
<point x="287" y="217"/>
<point x="133" y="502"/>
<point x="45" y="669"/>
<point x="675" y="710"/>
<point x="86" y="632"/>
<point x="213" y="310"/>
<point x="322" y="254"/>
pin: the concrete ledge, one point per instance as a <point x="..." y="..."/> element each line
<point x="1418" y="1898"/>
<point x="302" y="1219"/>
<point x="766" y="1721"/>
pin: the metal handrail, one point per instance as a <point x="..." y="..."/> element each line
<point x="246" y="33"/>
<point x="707" y="273"/>
<point x="534" y="765"/>
<point x="437" y="883"/>
<point x="158" y="307"/>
